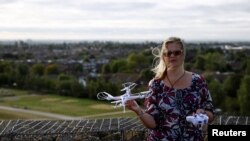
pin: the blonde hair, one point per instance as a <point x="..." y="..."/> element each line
<point x="159" y="64"/>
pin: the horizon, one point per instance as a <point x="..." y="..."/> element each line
<point x="118" y="41"/>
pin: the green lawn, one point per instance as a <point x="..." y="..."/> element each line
<point x="4" y="114"/>
<point x="56" y="104"/>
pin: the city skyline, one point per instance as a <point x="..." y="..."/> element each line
<point x="212" y="20"/>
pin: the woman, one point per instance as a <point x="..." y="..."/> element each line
<point x="176" y="93"/>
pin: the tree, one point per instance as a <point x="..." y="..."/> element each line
<point x="135" y="61"/>
<point x="23" y="69"/>
<point x="231" y="105"/>
<point x="63" y="77"/>
<point x="77" y="89"/>
<point x="49" y="84"/>
<point x="248" y="67"/>
<point x="216" y="93"/>
<point x="51" y="69"/>
<point x="244" y="95"/>
<point x="106" y="68"/>
<point x="5" y="66"/>
<point x="91" y="88"/>
<point x="3" y="79"/>
<point x="215" y="62"/>
<point x="146" y="74"/>
<point x="37" y="69"/>
<point x="22" y="73"/>
<point x="200" y="62"/>
<point x="231" y="85"/>
<point x="118" y="66"/>
<point x="64" y="87"/>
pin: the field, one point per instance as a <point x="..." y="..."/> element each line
<point x="82" y="108"/>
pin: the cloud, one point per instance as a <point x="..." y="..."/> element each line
<point x="7" y="1"/>
<point x="125" y="18"/>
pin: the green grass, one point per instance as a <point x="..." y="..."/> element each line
<point x="58" y="104"/>
<point x="4" y="114"/>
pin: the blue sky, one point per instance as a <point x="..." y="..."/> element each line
<point x="217" y="20"/>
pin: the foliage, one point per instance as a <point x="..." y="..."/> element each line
<point x="37" y="69"/>
<point x="231" y="85"/>
<point x="217" y="94"/>
<point x="244" y="95"/>
<point x="51" y="69"/>
<point x="225" y="68"/>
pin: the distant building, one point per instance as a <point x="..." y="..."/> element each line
<point x="227" y="47"/>
<point x="82" y="81"/>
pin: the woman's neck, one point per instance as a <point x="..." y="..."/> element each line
<point x="175" y="71"/>
<point x="173" y="76"/>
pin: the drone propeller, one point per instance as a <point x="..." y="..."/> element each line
<point x="104" y="96"/>
<point x="128" y="85"/>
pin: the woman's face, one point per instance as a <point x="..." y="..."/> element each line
<point x="173" y="55"/>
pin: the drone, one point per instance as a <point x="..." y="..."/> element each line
<point x="121" y="100"/>
<point x="198" y="119"/>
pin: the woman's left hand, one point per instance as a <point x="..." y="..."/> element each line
<point x="200" y="111"/>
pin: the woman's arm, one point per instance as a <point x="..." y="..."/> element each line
<point x="147" y="120"/>
<point x="207" y="104"/>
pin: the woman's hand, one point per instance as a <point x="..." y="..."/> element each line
<point x="132" y="105"/>
<point x="200" y="111"/>
<point x="147" y="120"/>
<point x="208" y="113"/>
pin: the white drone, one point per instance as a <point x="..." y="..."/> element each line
<point x="122" y="99"/>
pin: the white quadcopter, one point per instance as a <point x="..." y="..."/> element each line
<point x="198" y="119"/>
<point x="122" y="99"/>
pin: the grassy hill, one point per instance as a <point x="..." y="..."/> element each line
<point x="55" y="104"/>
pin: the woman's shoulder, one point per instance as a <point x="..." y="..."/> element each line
<point x="200" y="78"/>
<point x="154" y="81"/>
<point x="154" y="86"/>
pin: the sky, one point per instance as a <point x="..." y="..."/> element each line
<point x="125" y="20"/>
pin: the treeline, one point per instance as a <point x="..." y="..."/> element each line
<point x="48" y="79"/>
<point x="227" y="74"/>
<point x="52" y="78"/>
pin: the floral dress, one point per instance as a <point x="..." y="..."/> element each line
<point x="170" y="106"/>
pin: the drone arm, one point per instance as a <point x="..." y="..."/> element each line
<point x="134" y="97"/>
